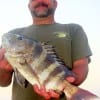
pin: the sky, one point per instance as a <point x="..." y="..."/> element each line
<point x="15" y="13"/>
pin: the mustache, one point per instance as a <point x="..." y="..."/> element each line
<point x="41" y="4"/>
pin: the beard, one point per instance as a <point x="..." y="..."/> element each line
<point x="44" y="13"/>
<point x="42" y="10"/>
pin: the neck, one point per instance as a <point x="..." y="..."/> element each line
<point x="45" y="20"/>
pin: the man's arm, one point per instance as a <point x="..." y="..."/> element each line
<point x="5" y="70"/>
<point x="5" y="78"/>
<point x="80" y="53"/>
<point x="80" y="68"/>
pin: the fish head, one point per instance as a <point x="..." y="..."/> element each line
<point x="17" y="44"/>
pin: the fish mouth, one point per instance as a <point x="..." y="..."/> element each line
<point x="14" y="54"/>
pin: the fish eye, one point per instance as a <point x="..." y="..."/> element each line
<point x="20" y="37"/>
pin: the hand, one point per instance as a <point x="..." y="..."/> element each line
<point x="4" y="65"/>
<point x="70" y="79"/>
<point x="46" y="94"/>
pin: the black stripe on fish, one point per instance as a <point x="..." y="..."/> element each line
<point x="56" y="71"/>
<point x="45" y="64"/>
<point x="37" y="51"/>
<point x="59" y="69"/>
<point x="33" y="71"/>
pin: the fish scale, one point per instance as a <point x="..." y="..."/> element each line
<point x="38" y="64"/>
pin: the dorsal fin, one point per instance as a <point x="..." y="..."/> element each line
<point x="50" y="49"/>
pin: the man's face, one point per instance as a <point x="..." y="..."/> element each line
<point x="42" y="8"/>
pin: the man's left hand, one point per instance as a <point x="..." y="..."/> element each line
<point x="46" y="94"/>
<point x="70" y="79"/>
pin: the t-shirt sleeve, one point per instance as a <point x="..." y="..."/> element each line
<point x="79" y="44"/>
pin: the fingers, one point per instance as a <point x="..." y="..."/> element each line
<point x="9" y="67"/>
<point x="2" y="51"/>
<point x="53" y="94"/>
<point x="70" y="79"/>
<point x="5" y="66"/>
<point x="46" y="94"/>
<point x="42" y="92"/>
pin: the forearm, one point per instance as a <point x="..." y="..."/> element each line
<point x="80" y="69"/>
<point x="80" y="76"/>
<point x="5" y="77"/>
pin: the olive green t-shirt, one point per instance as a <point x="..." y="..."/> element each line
<point x="70" y="42"/>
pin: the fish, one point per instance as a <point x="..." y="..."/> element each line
<point x="39" y="64"/>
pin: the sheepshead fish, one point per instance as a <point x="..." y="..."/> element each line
<point x="38" y="64"/>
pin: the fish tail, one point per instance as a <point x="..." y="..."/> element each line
<point x="75" y="93"/>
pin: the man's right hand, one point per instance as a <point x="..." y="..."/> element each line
<point x="5" y="70"/>
<point x="4" y="65"/>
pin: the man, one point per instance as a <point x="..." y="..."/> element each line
<point x="70" y="43"/>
